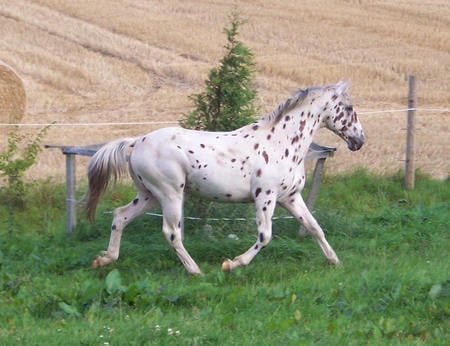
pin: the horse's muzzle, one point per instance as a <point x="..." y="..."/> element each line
<point x="355" y="143"/>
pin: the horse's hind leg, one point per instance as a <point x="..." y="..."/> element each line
<point x="172" y="207"/>
<point x="300" y="211"/>
<point x="143" y="202"/>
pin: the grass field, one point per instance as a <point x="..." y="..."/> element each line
<point x="393" y="287"/>
<point x="134" y="61"/>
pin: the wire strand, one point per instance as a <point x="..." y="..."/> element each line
<point x="438" y="110"/>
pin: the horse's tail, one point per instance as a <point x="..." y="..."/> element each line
<point x="110" y="161"/>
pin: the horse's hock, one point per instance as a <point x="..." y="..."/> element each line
<point x="12" y="99"/>
<point x="316" y="152"/>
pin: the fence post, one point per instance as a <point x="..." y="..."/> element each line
<point x="317" y="174"/>
<point x="71" y="217"/>
<point x="410" y="134"/>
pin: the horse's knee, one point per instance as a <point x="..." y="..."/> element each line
<point x="172" y="230"/>
<point x="264" y="238"/>
<point x="172" y="235"/>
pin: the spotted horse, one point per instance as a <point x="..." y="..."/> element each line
<point x="261" y="162"/>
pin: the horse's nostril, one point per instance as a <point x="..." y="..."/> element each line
<point x="355" y="143"/>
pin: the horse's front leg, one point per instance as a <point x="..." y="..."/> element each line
<point x="264" y="211"/>
<point x="143" y="202"/>
<point x="172" y="206"/>
<point x="297" y="207"/>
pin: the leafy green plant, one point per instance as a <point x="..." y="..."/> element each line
<point x="19" y="155"/>
<point x="228" y="101"/>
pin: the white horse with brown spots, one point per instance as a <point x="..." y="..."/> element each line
<point x="262" y="162"/>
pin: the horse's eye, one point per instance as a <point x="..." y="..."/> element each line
<point x="349" y="108"/>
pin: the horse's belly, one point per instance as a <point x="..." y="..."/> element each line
<point x="219" y="187"/>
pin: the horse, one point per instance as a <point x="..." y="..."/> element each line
<point x="262" y="162"/>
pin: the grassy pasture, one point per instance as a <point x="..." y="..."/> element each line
<point x="135" y="61"/>
<point x="393" y="287"/>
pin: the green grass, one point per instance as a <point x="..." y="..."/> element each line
<point x="393" y="287"/>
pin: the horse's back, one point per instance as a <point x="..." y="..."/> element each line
<point x="211" y="164"/>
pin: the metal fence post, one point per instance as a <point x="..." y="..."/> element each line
<point x="317" y="174"/>
<point x="71" y="217"/>
<point x="410" y="135"/>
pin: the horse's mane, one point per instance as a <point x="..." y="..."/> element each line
<point x="297" y="98"/>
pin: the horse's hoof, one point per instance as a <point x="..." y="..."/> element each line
<point x="226" y="265"/>
<point x="96" y="262"/>
<point x="334" y="262"/>
<point x="199" y="273"/>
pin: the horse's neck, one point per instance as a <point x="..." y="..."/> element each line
<point x="302" y="125"/>
<point x="296" y="128"/>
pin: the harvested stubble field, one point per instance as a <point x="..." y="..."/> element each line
<point x="137" y="61"/>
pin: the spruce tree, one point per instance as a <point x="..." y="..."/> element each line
<point x="228" y="101"/>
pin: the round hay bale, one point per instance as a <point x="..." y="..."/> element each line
<point x="12" y="100"/>
<point x="12" y="95"/>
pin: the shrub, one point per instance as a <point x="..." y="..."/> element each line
<point x="15" y="160"/>
<point x="227" y="102"/>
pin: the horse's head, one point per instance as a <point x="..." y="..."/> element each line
<point x="341" y="118"/>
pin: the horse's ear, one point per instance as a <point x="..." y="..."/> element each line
<point x="342" y="86"/>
